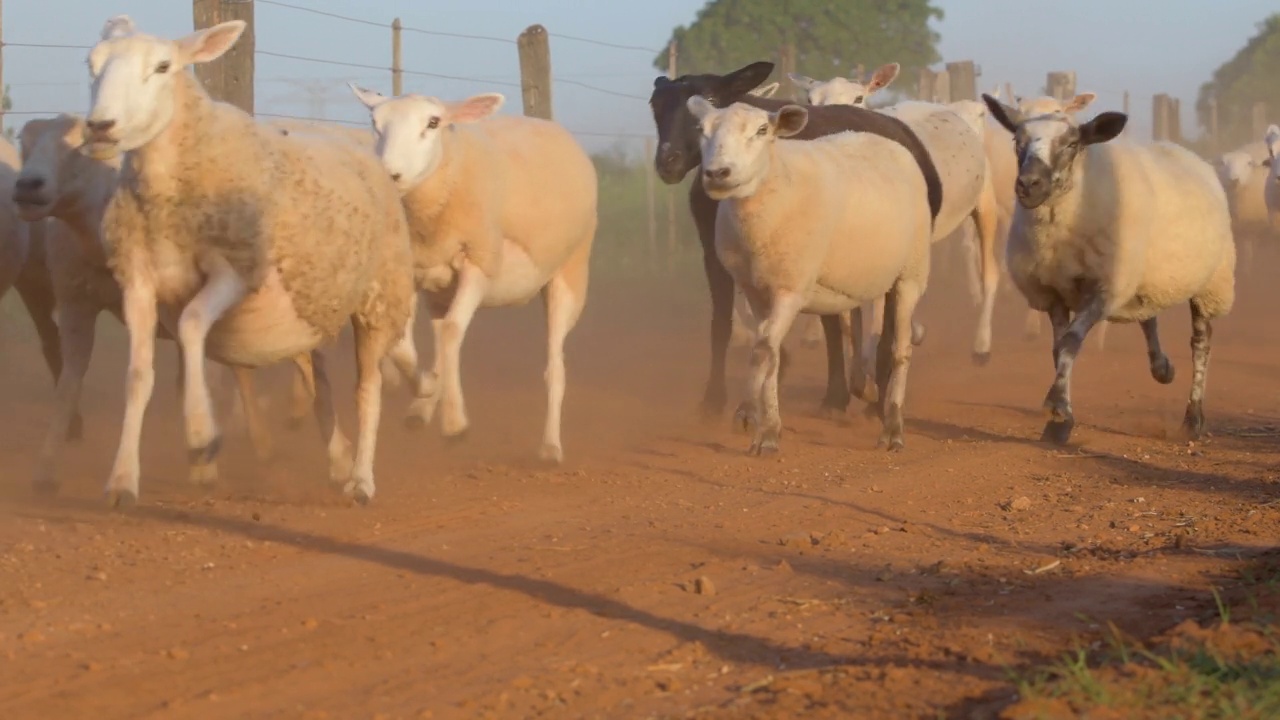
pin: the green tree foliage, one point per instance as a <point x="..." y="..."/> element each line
<point x="830" y="38"/>
<point x="1253" y="75"/>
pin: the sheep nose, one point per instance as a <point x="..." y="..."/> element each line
<point x="29" y="184"/>
<point x="1030" y="184"/>
<point x="717" y="173"/>
<point x="396" y="177"/>
<point x="100" y="126"/>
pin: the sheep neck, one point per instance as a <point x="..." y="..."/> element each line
<point x="429" y="199"/>
<point x="154" y="168"/>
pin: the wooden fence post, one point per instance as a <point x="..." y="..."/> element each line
<point x="230" y="77"/>
<point x="962" y="77"/>
<point x="1213" y="125"/>
<point x="1175" y="119"/>
<point x="1160" y="117"/>
<point x="397" y="60"/>
<point x="787" y="66"/>
<point x="534" y="46"/>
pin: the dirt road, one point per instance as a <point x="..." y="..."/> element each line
<point x="661" y="572"/>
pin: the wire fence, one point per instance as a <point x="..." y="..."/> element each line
<point x="314" y="87"/>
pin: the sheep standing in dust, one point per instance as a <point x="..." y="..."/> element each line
<point x="253" y="245"/>
<point x="486" y="231"/>
<point x="1245" y="179"/>
<point x="1115" y="231"/>
<point x="820" y="226"/>
<point x="60" y="184"/>
<point x="23" y="267"/>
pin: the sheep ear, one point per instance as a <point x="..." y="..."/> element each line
<point x="210" y="43"/>
<point x="118" y="26"/>
<point x="699" y="106"/>
<point x="789" y="120"/>
<point x="1104" y="127"/>
<point x="370" y="98"/>
<point x="766" y="91"/>
<point x="1079" y="102"/>
<point x="742" y="81"/>
<point x="475" y="108"/>
<point x="802" y="81"/>
<point x="1009" y="117"/>
<point x="661" y="81"/>
<point x="883" y="76"/>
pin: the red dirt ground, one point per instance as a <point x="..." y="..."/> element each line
<point x="843" y="581"/>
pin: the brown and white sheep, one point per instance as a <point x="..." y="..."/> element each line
<point x="820" y="226"/>
<point x="252" y="245"/>
<point x="486" y="232"/>
<point x="1115" y="231"/>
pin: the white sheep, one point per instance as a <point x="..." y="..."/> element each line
<point x="845" y="91"/>
<point x="1245" y="180"/>
<point x="1111" y="230"/>
<point x="486" y="231"/>
<point x="250" y="245"/>
<point x="68" y="189"/>
<point x="954" y="137"/>
<point x="23" y="267"/>
<point x="820" y="226"/>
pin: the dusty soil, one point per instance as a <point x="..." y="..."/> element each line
<point x="661" y="572"/>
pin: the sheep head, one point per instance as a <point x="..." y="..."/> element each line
<point x="845" y="91"/>
<point x="133" y="77"/>
<point x="735" y="144"/>
<point x="408" y="129"/>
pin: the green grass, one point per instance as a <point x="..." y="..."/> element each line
<point x="1229" y="667"/>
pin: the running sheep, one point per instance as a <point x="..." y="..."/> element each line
<point x="248" y="244"/>
<point x="1119" y="232"/>
<point x="819" y="226"/>
<point x="486" y="230"/>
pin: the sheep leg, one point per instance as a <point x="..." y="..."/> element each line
<point x="1101" y="334"/>
<point x="139" y="310"/>
<point x="901" y="303"/>
<point x="372" y="345"/>
<point x="813" y="332"/>
<point x="721" y="285"/>
<point x="972" y="267"/>
<point x="564" y="300"/>
<point x="1201" y="337"/>
<point x="301" y="399"/>
<point x="1161" y="368"/>
<point x="404" y="359"/>
<point x="472" y="284"/>
<point x="860" y="384"/>
<point x="1066" y="348"/>
<point x="986" y="218"/>
<point x="836" y="401"/>
<point x="739" y="334"/>
<point x="1031" y="324"/>
<point x="877" y="331"/>
<point x="259" y="433"/>
<point x="223" y="288"/>
<point x="315" y="379"/>
<point x="41" y="304"/>
<point x="766" y="360"/>
<point x="76" y="328"/>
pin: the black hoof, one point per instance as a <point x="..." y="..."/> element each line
<point x="1162" y="371"/>
<point x="75" y="431"/>
<point x="1058" y="432"/>
<point x="835" y="404"/>
<point x="121" y="499"/>
<point x="1193" y="426"/>
<point x="981" y="359"/>
<point x="894" y="444"/>
<point x="205" y="455"/>
<point x="361" y="498"/>
<point x="414" y="422"/>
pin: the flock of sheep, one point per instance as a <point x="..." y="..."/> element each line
<point x="251" y="242"/>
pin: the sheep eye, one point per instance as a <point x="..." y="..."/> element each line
<point x="764" y="130"/>
<point x="433" y="123"/>
<point x="163" y="67"/>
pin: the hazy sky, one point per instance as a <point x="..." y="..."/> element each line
<point x="1012" y="40"/>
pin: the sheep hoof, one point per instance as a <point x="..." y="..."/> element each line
<point x="207" y="454"/>
<point x="1162" y="371"/>
<point x="891" y="443"/>
<point x="1058" y="432"/>
<point x="121" y="499"/>
<point x="361" y="491"/>
<point x="834" y="404"/>
<point x="1193" y="423"/>
<point x="550" y="453"/>
<point x="981" y="359"/>
<point x="203" y="474"/>
<point x="75" y="431"/>
<point x="765" y="445"/>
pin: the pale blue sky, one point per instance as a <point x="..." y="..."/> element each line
<point x="1012" y="40"/>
